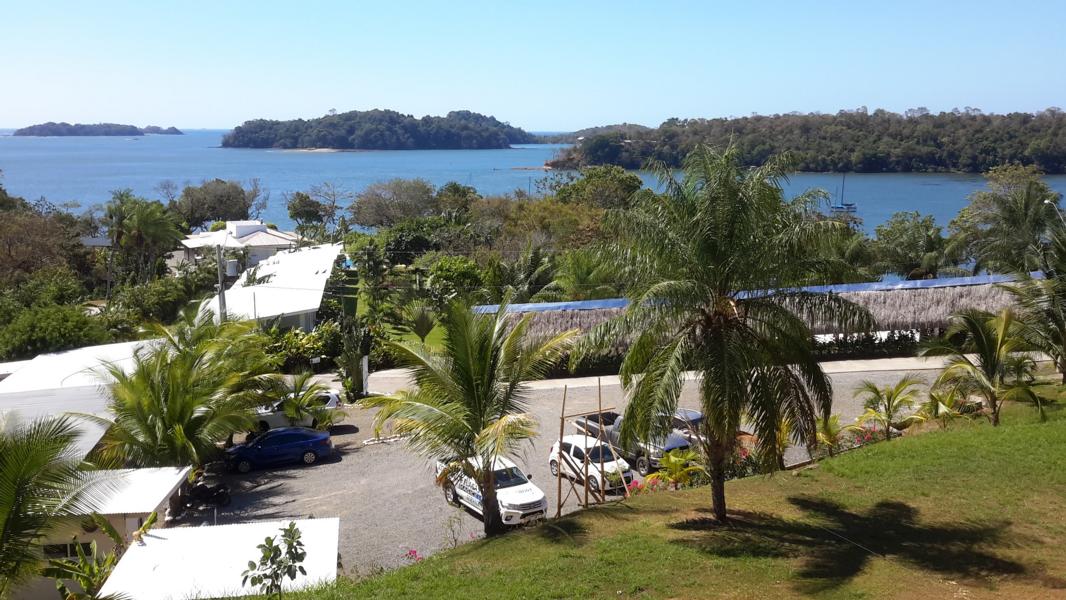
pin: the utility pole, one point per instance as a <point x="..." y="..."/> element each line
<point x="221" y="285"/>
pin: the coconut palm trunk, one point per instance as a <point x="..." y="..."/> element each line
<point x="490" y="505"/>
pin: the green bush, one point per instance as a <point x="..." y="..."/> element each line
<point x="295" y="349"/>
<point x="43" y="329"/>
<point x="158" y="300"/>
<point x="50" y="285"/>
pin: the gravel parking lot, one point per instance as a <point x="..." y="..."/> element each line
<point x="385" y="495"/>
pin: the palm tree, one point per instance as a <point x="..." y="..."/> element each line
<point x="185" y="394"/>
<point x="41" y="484"/>
<point x="521" y="279"/>
<point x="299" y="399"/>
<point x="1042" y="302"/>
<point x="469" y="407"/>
<point x="419" y="319"/>
<point x="886" y="406"/>
<point x="677" y="468"/>
<point x="91" y="569"/>
<point x="1001" y="226"/>
<point x="831" y="433"/>
<point x="582" y="275"/>
<point x="979" y="346"/>
<point x="943" y="406"/>
<point x="712" y="267"/>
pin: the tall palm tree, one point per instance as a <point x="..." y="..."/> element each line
<point x="40" y="486"/>
<point x="1001" y="226"/>
<point x="520" y="279"/>
<point x="979" y="345"/>
<point x="184" y="394"/>
<point x="888" y="406"/>
<point x="469" y="407"/>
<point x="1042" y="302"/>
<point x="712" y="267"/>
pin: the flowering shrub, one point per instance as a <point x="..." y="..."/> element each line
<point x="413" y="555"/>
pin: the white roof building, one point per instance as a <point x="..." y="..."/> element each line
<point x="73" y="381"/>
<point x="207" y="562"/>
<point x="288" y="287"/>
<point x="261" y="241"/>
<point x="142" y="491"/>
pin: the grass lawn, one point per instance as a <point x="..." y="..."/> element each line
<point x="971" y="512"/>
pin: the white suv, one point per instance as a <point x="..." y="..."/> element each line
<point x="520" y="500"/>
<point x="614" y="475"/>
<point x="274" y="416"/>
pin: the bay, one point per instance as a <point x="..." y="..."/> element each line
<point x="84" y="170"/>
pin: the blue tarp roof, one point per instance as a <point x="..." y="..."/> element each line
<point x="875" y="286"/>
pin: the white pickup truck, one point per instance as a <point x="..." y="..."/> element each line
<point x="520" y="501"/>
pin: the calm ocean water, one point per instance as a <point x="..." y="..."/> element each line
<point x="86" y="169"/>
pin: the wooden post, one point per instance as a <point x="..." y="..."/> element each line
<point x="559" y="460"/>
<point x="599" y="439"/>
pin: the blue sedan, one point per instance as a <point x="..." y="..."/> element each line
<point x="279" y="446"/>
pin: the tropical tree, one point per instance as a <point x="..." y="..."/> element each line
<point x="185" y="393"/>
<point x="887" y="407"/>
<point x="943" y="406"/>
<point x="582" y="275"/>
<point x="299" y="399"/>
<point x="1000" y="227"/>
<point x="469" y="407"/>
<point x="520" y="279"/>
<point x="41" y="485"/>
<point x="678" y="468"/>
<point x="89" y="570"/>
<point x="979" y="346"/>
<point x="1042" y="302"/>
<point x="831" y="434"/>
<point x="419" y="319"/>
<point x="713" y="267"/>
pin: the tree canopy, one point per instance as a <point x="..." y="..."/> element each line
<point x="379" y="130"/>
<point x="861" y="141"/>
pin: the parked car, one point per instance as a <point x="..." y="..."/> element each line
<point x="281" y="446"/>
<point x="574" y="449"/>
<point x="520" y="501"/>
<point x="644" y="455"/>
<point x="271" y="417"/>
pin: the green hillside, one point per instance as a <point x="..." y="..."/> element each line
<point x="973" y="512"/>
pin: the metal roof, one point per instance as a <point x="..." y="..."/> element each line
<point x="141" y="491"/>
<point x="294" y="283"/>
<point x="207" y="562"/>
<point x="875" y="286"/>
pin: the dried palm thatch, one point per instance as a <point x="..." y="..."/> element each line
<point x="893" y="310"/>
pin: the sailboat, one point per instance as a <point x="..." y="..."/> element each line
<point x="841" y="206"/>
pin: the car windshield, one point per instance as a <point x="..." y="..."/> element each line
<point x="688" y="423"/>
<point x="509" y="477"/>
<point x="597" y="453"/>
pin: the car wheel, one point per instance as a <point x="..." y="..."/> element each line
<point x="243" y="466"/>
<point x="309" y="458"/>
<point x="554" y="466"/>
<point x="594" y="483"/>
<point x="450" y="495"/>
<point x="643" y="465"/>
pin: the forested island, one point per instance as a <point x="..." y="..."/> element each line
<point x="52" y="129"/>
<point x="966" y="141"/>
<point x="380" y="130"/>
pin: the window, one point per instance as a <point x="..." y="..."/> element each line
<point x="597" y="453"/>
<point x="565" y="447"/>
<point x="579" y="454"/>
<point x="65" y="550"/>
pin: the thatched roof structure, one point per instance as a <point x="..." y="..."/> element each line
<point x="898" y="306"/>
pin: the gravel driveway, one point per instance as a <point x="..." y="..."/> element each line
<point x="385" y="495"/>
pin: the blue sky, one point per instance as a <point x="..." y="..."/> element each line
<point x="540" y="65"/>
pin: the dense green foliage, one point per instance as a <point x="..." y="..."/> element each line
<point x="858" y="140"/>
<point x="41" y="485"/>
<point x="379" y="130"/>
<point x="218" y="200"/>
<point x="79" y="129"/>
<point x="42" y="329"/>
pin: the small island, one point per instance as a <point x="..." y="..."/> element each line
<point x="379" y="130"/>
<point x="52" y="129"/>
